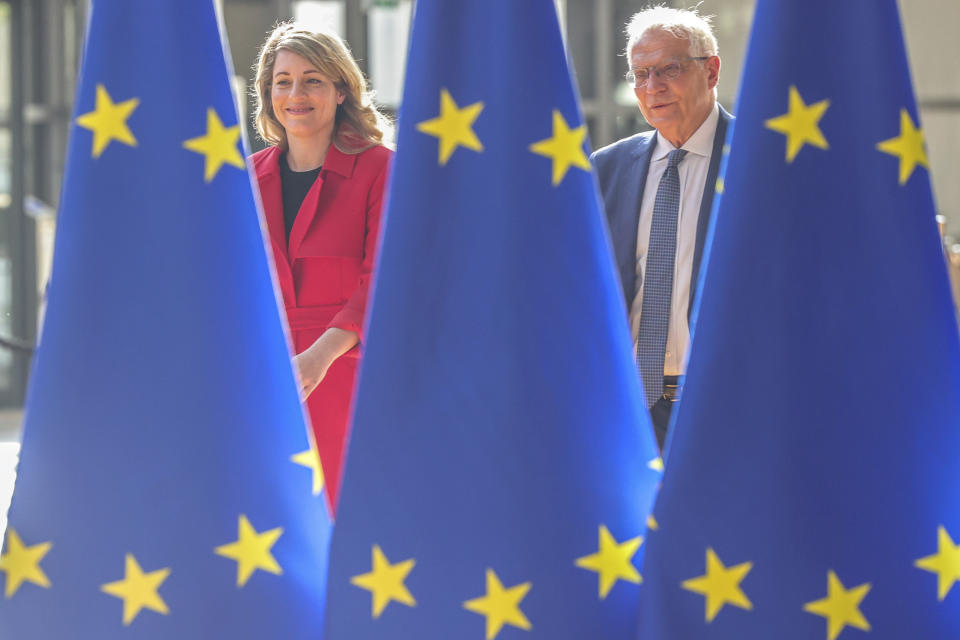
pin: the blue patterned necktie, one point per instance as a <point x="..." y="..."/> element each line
<point x="658" y="280"/>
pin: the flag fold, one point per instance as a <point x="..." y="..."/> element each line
<point x="497" y="481"/>
<point x="811" y="484"/>
<point x="166" y="481"/>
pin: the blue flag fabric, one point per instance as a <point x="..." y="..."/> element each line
<point x="496" y="484"/>
<point x="166" y="480"/>
<point x="811" y="488"/>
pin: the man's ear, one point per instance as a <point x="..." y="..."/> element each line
<point x="713" y="70"/>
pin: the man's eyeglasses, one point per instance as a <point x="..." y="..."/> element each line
<point x="671" y="71"/>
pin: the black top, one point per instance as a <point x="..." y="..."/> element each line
<point x="295" y="185"/>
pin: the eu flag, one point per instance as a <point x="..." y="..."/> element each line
<point x="166" y="481"/>
<point x="497" y="482"/>
<point x="812" y="484"/>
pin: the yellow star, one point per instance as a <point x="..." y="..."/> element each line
<point x="311" y="460"/>
<point x="454" y="126"/>
<point x="652" y="523"/>
<point x="799" y="124"/>
<point x="656" y="464"/>
<point x="945" y="563"/>
<point x="612" y="561"/>
<point x="565" y="148"/>
<point x="720" y="585"/>
<point x="500" y="606"/>
<point x="720" y="183"/>
<point x="251" y="550"/>
<point x="908" y="146"/>
<point x="23" y="563"/>
<point x="840" y="607"/>
<point x="138" y="590"/>
<point x="108" y="121"/>
<point x="385" y="582"/>
<point x="218" y="146"/>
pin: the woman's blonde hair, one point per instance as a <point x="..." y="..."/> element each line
<point x="358" y="124"/>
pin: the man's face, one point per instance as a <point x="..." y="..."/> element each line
<point x="677" y="107"/>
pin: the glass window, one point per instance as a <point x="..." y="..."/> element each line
<point x="6" y="314"/>
<point x="6" y="263"/>
<point x="388" y="28"/>
<point x="4" y="63"/>
<point x="581" y="42"/>
<point x="321" y="15"/>
<point x="623" y="10"/>
<point x="8" y="465"/>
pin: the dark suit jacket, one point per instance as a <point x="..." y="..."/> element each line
<point x="622" y="173"/>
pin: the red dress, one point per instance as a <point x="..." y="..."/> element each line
<point x="324" y="274"/>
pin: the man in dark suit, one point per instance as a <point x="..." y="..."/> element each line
<point x="658" y="190"/>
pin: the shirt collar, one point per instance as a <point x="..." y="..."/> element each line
<point x="700" y="143"/>
<point x="339" y="162"/>
<point x="336" y="161"/>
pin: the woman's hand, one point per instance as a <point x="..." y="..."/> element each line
<point x="312" y="368"/>
<point x="312" y="365"/>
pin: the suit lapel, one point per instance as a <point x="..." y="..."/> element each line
<point x="706" y="204"/>
<point x="626" y="220"/>
<point x="336" y="162"/>
<point x="271" y="199"/>
<point x="271" y="196"/>
<point x="305" y="216"/>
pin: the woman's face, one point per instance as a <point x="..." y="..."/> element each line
<point x="304" y="100"/>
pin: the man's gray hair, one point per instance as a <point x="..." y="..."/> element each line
<point x="682" y="23"/>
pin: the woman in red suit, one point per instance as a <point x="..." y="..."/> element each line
<point x="322" y="186"/>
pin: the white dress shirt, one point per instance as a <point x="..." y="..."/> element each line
<point x="693" y="177"/>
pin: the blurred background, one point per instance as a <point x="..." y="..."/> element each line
<point x="41" y="43"/>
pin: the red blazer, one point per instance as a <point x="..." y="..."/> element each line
<point x="324" y="274"/>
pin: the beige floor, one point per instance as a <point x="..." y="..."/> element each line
<point x="9" y="449"/>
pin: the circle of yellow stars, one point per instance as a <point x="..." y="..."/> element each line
<point x="499" y="605"/>
<point x="612" y="562"/>
<point x="139" y="589"/>
<point x="720" y="585"/>
<point x="453" y="128"/>
<point x="109" y="122"/>
<point x="801" y="126"/>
